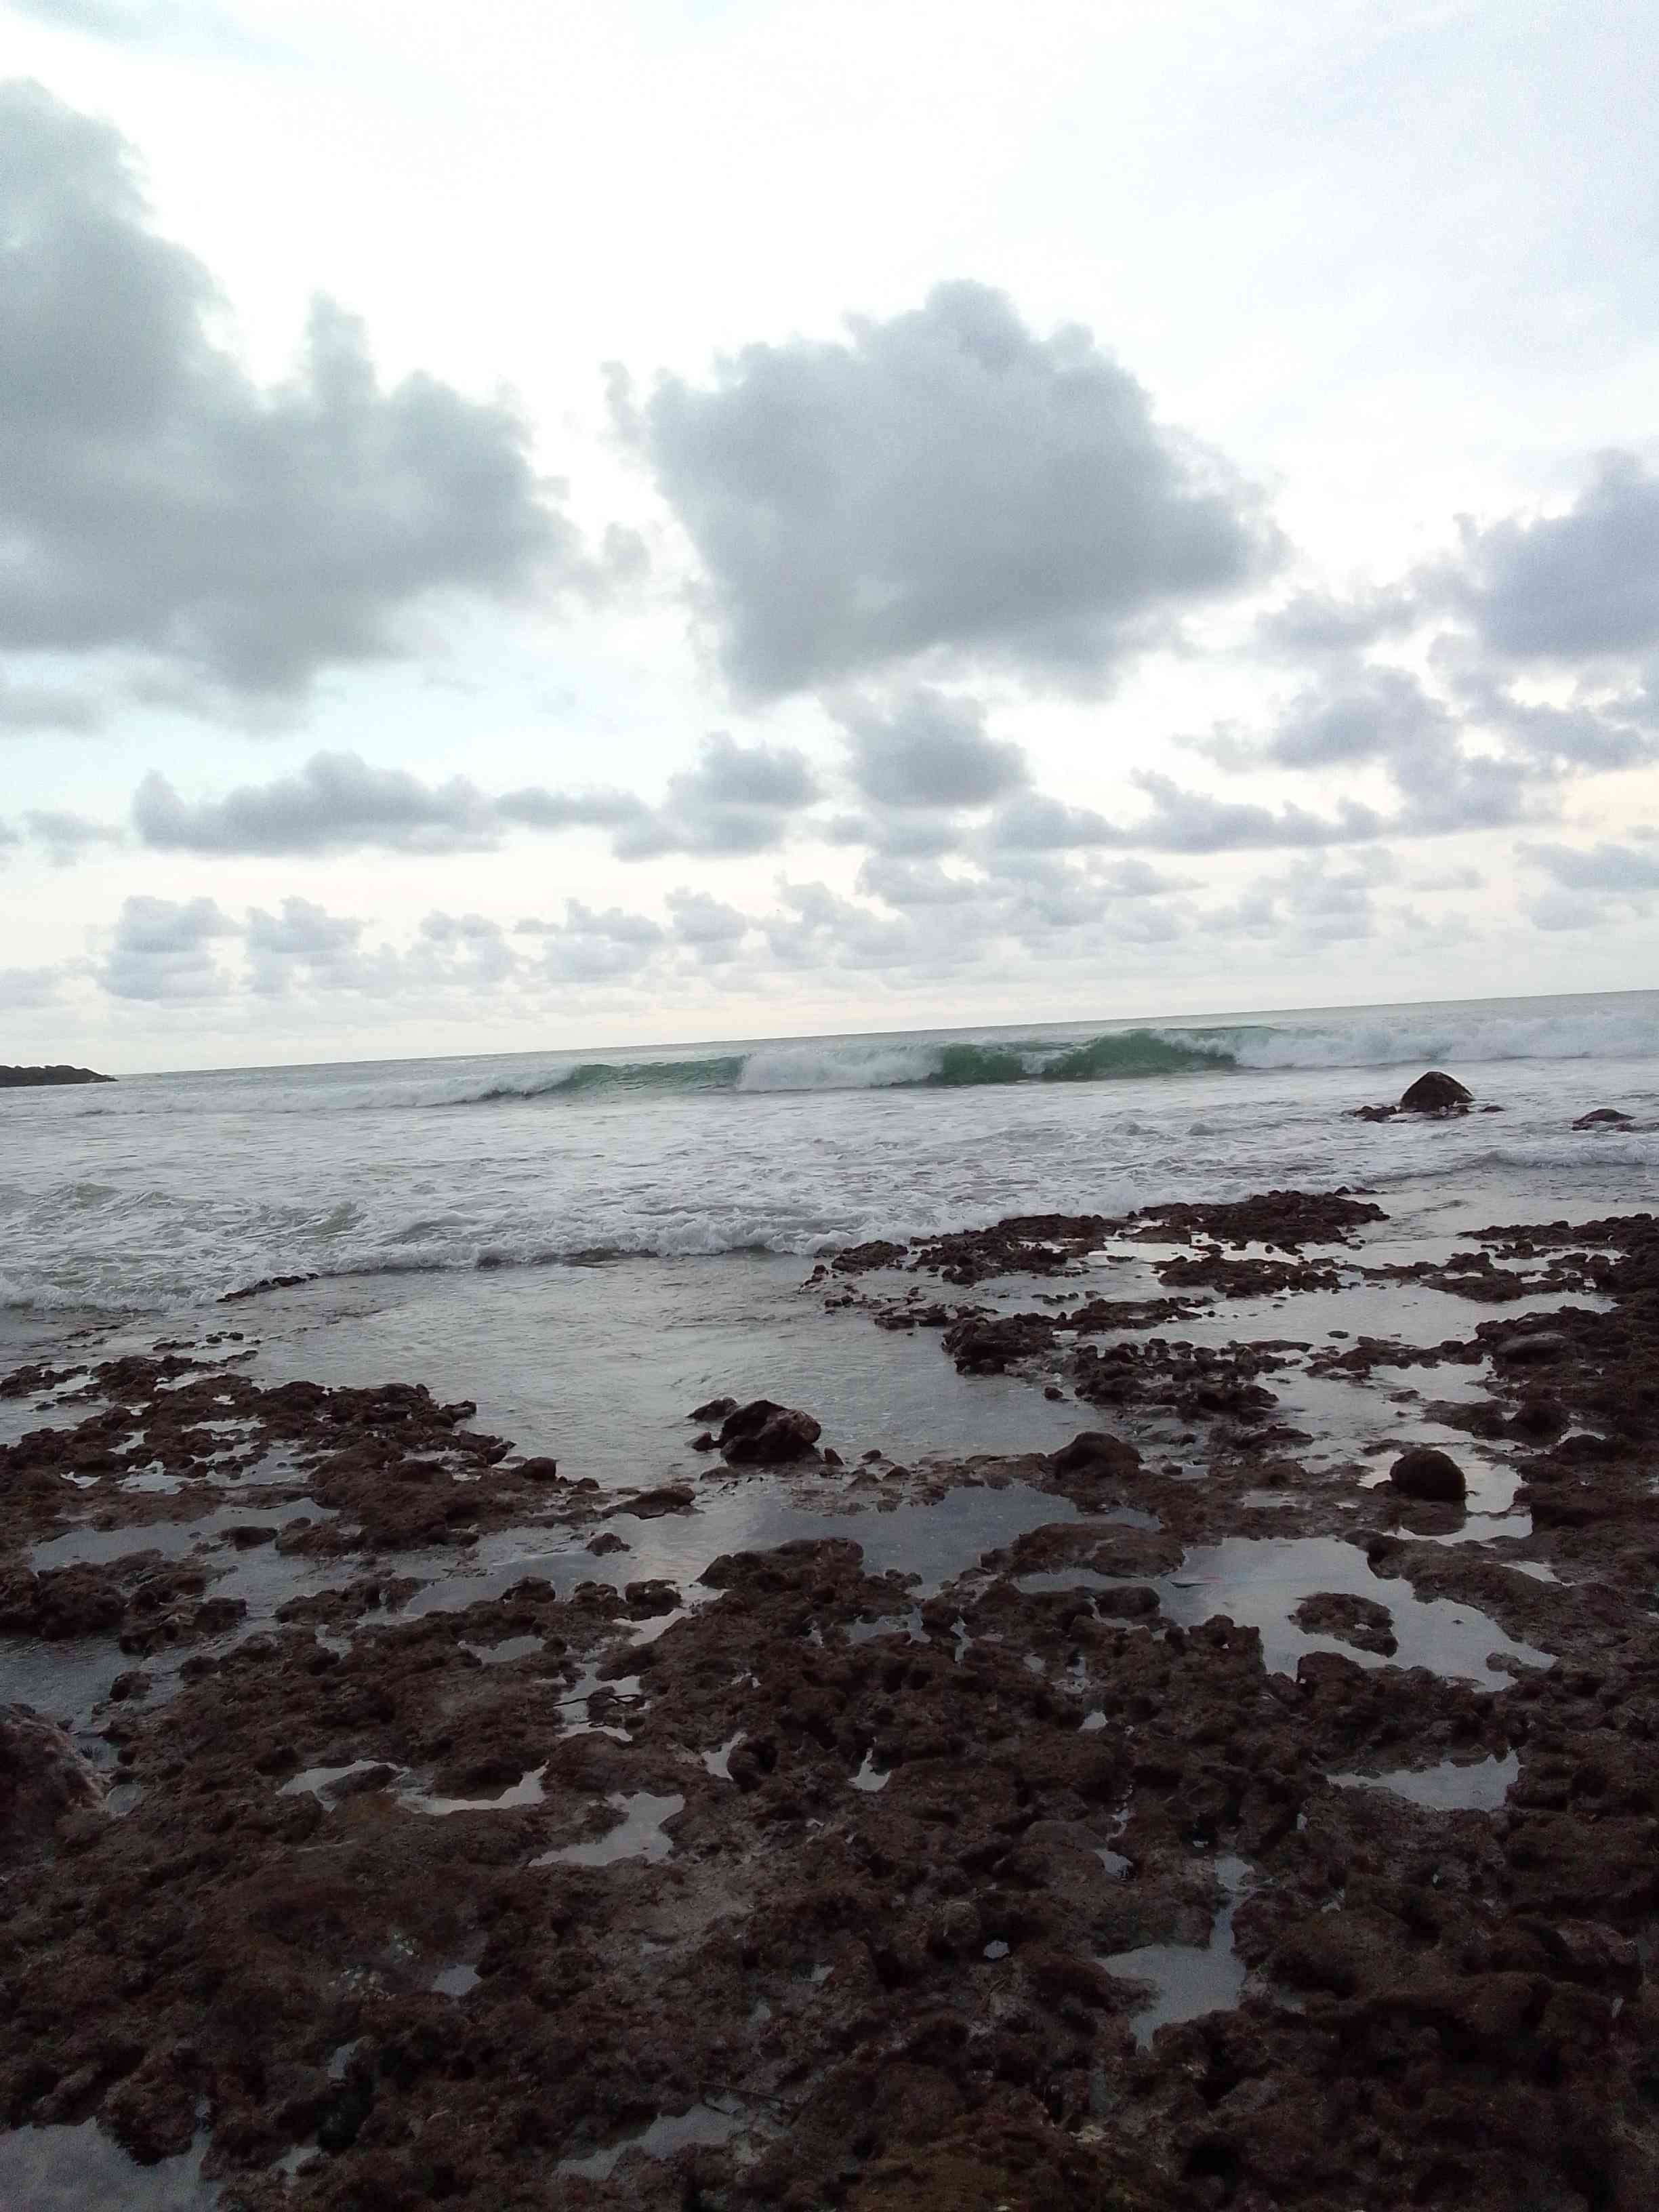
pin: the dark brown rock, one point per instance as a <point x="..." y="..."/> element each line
<point x="765" y="1434"/>
<point x="42" y="1776"/>
<point x="1435" y="1093"/>
<point x="1425" y="1472"/>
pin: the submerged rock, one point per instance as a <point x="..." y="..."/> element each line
<point x="764" y="1434"/>
<point x="1435" y="1093"/>
<point x="1604" y="1117"/>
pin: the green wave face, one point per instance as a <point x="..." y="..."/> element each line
<point x="962" y="1065"/>
<point x="1139" y="1052"/>
<point x="654" y="1075"/>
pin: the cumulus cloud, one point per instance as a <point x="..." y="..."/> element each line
<point x="712" y="929"/>
<point x="47" y="707"/>
<point x="594" y="946"/>
<point x="163" y="951"/>
<point x="303" y="942"/>
<point x="67" y="836"/>
<point x="24" y="988"/>
<point x="1036" y="823"/>
<point x="154" y="499"/>
<point x="1622" y="869"/>
<point x="335" y="802"/>
<point x="1570" y="586"/>
<point x="943" y="483"/>
<point x="738" y="799"/>
<point x="1321" y="622"/>
<point x="926" y="750"/>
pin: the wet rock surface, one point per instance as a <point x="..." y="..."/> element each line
<point x="499" y="1866"/>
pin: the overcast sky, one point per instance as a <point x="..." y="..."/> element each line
<point x="556" y="525"/>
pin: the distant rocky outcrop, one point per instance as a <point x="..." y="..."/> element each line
<point x="24" y="1079"/>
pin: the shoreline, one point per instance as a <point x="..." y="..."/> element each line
<point x="1180" y="1814"/>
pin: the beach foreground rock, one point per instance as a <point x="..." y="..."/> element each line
<point x="765" y="1434"/>
<point x="42" y="1776"/>
<point x="1427" y="1474"/>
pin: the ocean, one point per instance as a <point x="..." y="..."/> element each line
<point x="166" y="1191"/>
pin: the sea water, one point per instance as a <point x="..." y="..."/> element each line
<point x="166" y="1191"/>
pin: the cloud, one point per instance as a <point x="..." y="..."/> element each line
<point x="1036" y="823"/>
<point x="152" y="498"/>
<point x="66" y="836"/>
<point x="928" y="750"/>
<point x="24" y="988"/>
<point x="1621" y="870"/>
<point x="537" y="809"/>
<point x="1319" y="622"/>
<point x="162" y="950"/>
<point x="44" y="707"/>
<point x="334" y="803"/>
<point x="590" y="946"/>
<point x="1570" y="586"/>
<point x="305" y="942"/>
<point x="943" y="483"/>
<point x="712" y="929"/>
<point x="140" y="23"/>
<point x="738" y="799"/>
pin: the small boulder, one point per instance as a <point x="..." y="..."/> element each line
<point x="713" y="1409"/>
<point x="42" y="1778"/>
<point x="1425" y="1472"/>
<point x="1094" y="1452"/>
<point x="1604" y="1117"/>
<point x="765" y="1434"/>
<point x="1435" y="1093"/>
<point x="1536" y="1348"/>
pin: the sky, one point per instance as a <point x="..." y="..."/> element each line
<point x="555" y="526"/>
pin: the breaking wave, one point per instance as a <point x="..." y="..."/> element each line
<point x="1419" y="1036"/>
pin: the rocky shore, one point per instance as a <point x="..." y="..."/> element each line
<point x="1253" y="1803"/>
<point x="26" y="1078"/>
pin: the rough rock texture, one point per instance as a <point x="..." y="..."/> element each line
<point x="1436" y="1093"/>
<point x="454" y="1903"/>
<point x="1423" y="1472"/>
<point x="42" y="1778"/>
<point x="763" y="1434"/>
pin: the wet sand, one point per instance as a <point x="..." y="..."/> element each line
<point x="1084" y="1776"/>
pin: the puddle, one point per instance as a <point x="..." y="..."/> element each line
<point x="1187" y="1982"/>
<point x="88" y="1546"/>
<point x="1259" y="1581"/>
<point x="934" y="1542"/>
<point x="1478" y="1786"/>
<point x="527" y="1790"/>
<point x="638" y="1835"/>
<point x="871" y="1777"/>
<point x="502" y="1654"/>
<point x="718" y="1762"/>
<point x="328" y="1782"/>
<point x="669" y="2132"/>
<point x="80" y="2170"/>
<point x="577" y="1702"/>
